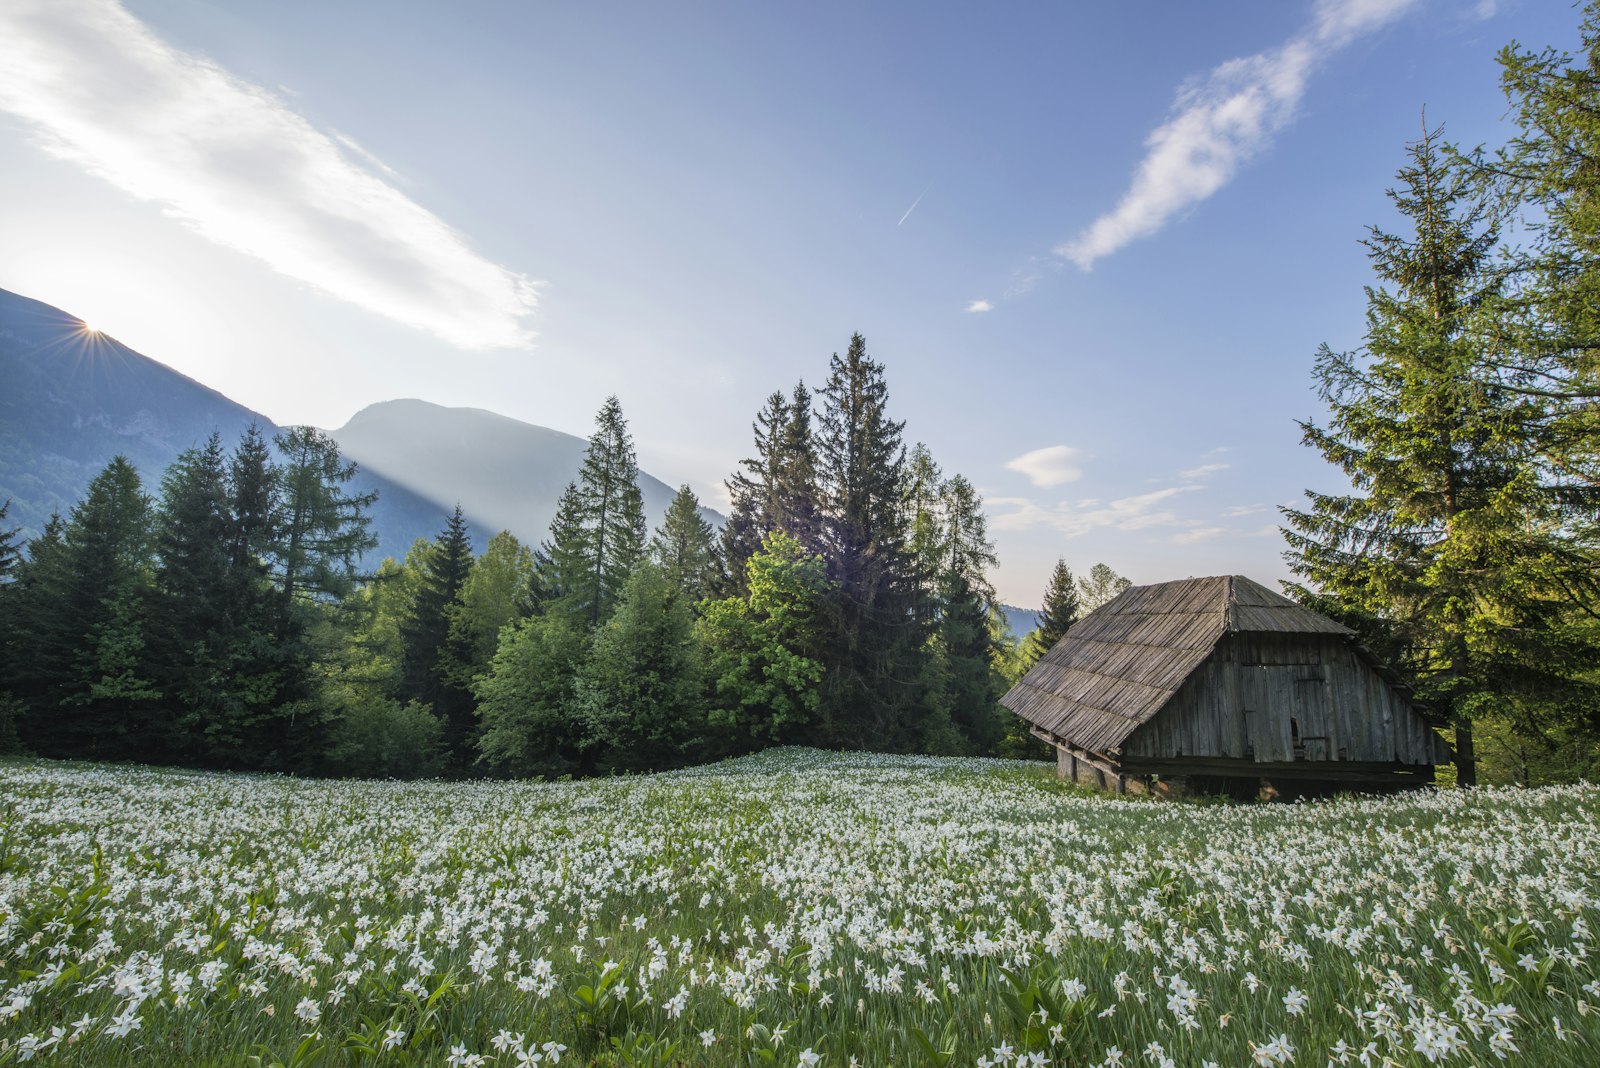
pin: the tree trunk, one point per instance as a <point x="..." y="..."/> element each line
<point x="1466" y="755"/>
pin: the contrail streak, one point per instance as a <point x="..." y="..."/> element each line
<point x="912" y="208"/>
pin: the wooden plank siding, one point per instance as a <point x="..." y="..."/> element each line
<point x="1282" y="698"/>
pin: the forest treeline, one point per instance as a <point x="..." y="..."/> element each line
<point x="224" y="621"/>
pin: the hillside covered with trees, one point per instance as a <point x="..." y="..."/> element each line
<point x="223" y="621"/>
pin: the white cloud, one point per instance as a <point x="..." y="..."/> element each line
<point x="1050" y="466"/>
<point x="234" y="163"/>
<point x="980" y="306"/>
<point x="1194" y="534"/>
<point x="1222" y="121"/>
<point x="1202" y="471"/>
<point x="1138" y="512"/>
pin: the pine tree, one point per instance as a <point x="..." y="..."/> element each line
<point x="777" y="488"/>
<point x="685" y="547"/>
<point x="10" y="549"/>
<point x="85" y="588"/>
<point x="1060" y="611"/>
<point x="430" y="655"/>
<point x="966" y="603"/>
<point x="41" y="647"/>
<point x="10" y="559"/>
<point x="872" y="690"/>
<point x="752" y="491"/>
<point x="598" y="534"/>
<point x="320" y="529"/>
<point x="1545" y="331"/>
<point x="1451" y="551"/>
<point x="795" y="502"/>
<point x="191" y="629"/>
<point x="563" y="568"/>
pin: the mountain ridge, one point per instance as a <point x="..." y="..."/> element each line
<point x="75" y="397"/>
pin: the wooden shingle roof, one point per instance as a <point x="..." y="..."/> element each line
<point x="1119" y="665"/>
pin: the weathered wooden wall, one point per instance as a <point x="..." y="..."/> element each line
<point x="1296" y="697"/>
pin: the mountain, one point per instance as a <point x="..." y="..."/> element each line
<point x="1022" y="621"/>
<point x="71" y="398"/>
<point x="507" y="474"/>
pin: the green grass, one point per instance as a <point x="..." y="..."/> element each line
<point x="885" y="910"/>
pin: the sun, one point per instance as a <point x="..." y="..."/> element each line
<point x="89" y="331"/>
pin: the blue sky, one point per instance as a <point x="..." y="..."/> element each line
<point x="1096" y="245"/>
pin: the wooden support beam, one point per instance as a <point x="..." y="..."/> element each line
<point x="1331" y="770"/>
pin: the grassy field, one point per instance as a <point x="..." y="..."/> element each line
<point x="796" y="908"/>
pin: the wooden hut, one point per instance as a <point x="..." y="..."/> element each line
<point x="1217" y="684"/>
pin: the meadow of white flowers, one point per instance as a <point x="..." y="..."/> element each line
<point x="797" y="908"/>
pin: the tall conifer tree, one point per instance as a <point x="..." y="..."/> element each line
<point x="1451" y="551"/>
<point x="1060" y="611"/>
<point x="685" y="548"/>
<point x="872" y="687"/>
<point x="321" y="527"/>
<point x="95" y="695"/>
<point x="431" y="655"/>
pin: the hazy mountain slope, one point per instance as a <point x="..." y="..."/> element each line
<point x="73" y="398"/>
<point x="507" y="474"/>
<point x="1022" y="621"/>
<point x="70" y="399"/>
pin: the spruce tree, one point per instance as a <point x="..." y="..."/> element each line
<point x="1545" y="332"/>
<point x="41" y="647"/>
<point x="795" y="504"/>
<point x="598" y="534"/>
<point x="430" y="655"/>
<point x="685" y="547"/>
<point x="777" y="487"/>
<point x="92" y="694"/>
<point x="191" y="628"/>
<point x="563" y="569"/>
<point x="10" y="548"/>
<point x="1060" y="611"/>
<point x="924" y="509"/>
<point x="966" y="604"/>
<point x="1451" y="551"/>
<point x="10" y="558"/>
<point x="321" y="529"/>
<point x="872" y="689"/>
<point x="752" y="490"/>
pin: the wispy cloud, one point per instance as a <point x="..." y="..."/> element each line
<point x="1050" y="466"/>
<point x="233" y="162"/>
<point x="1223" y="120"/>
<point x="1157" y="508"/>
<point x="1138" y="512"/>
<point x="980" y="306"/>
<point x="1194" y="534"/>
